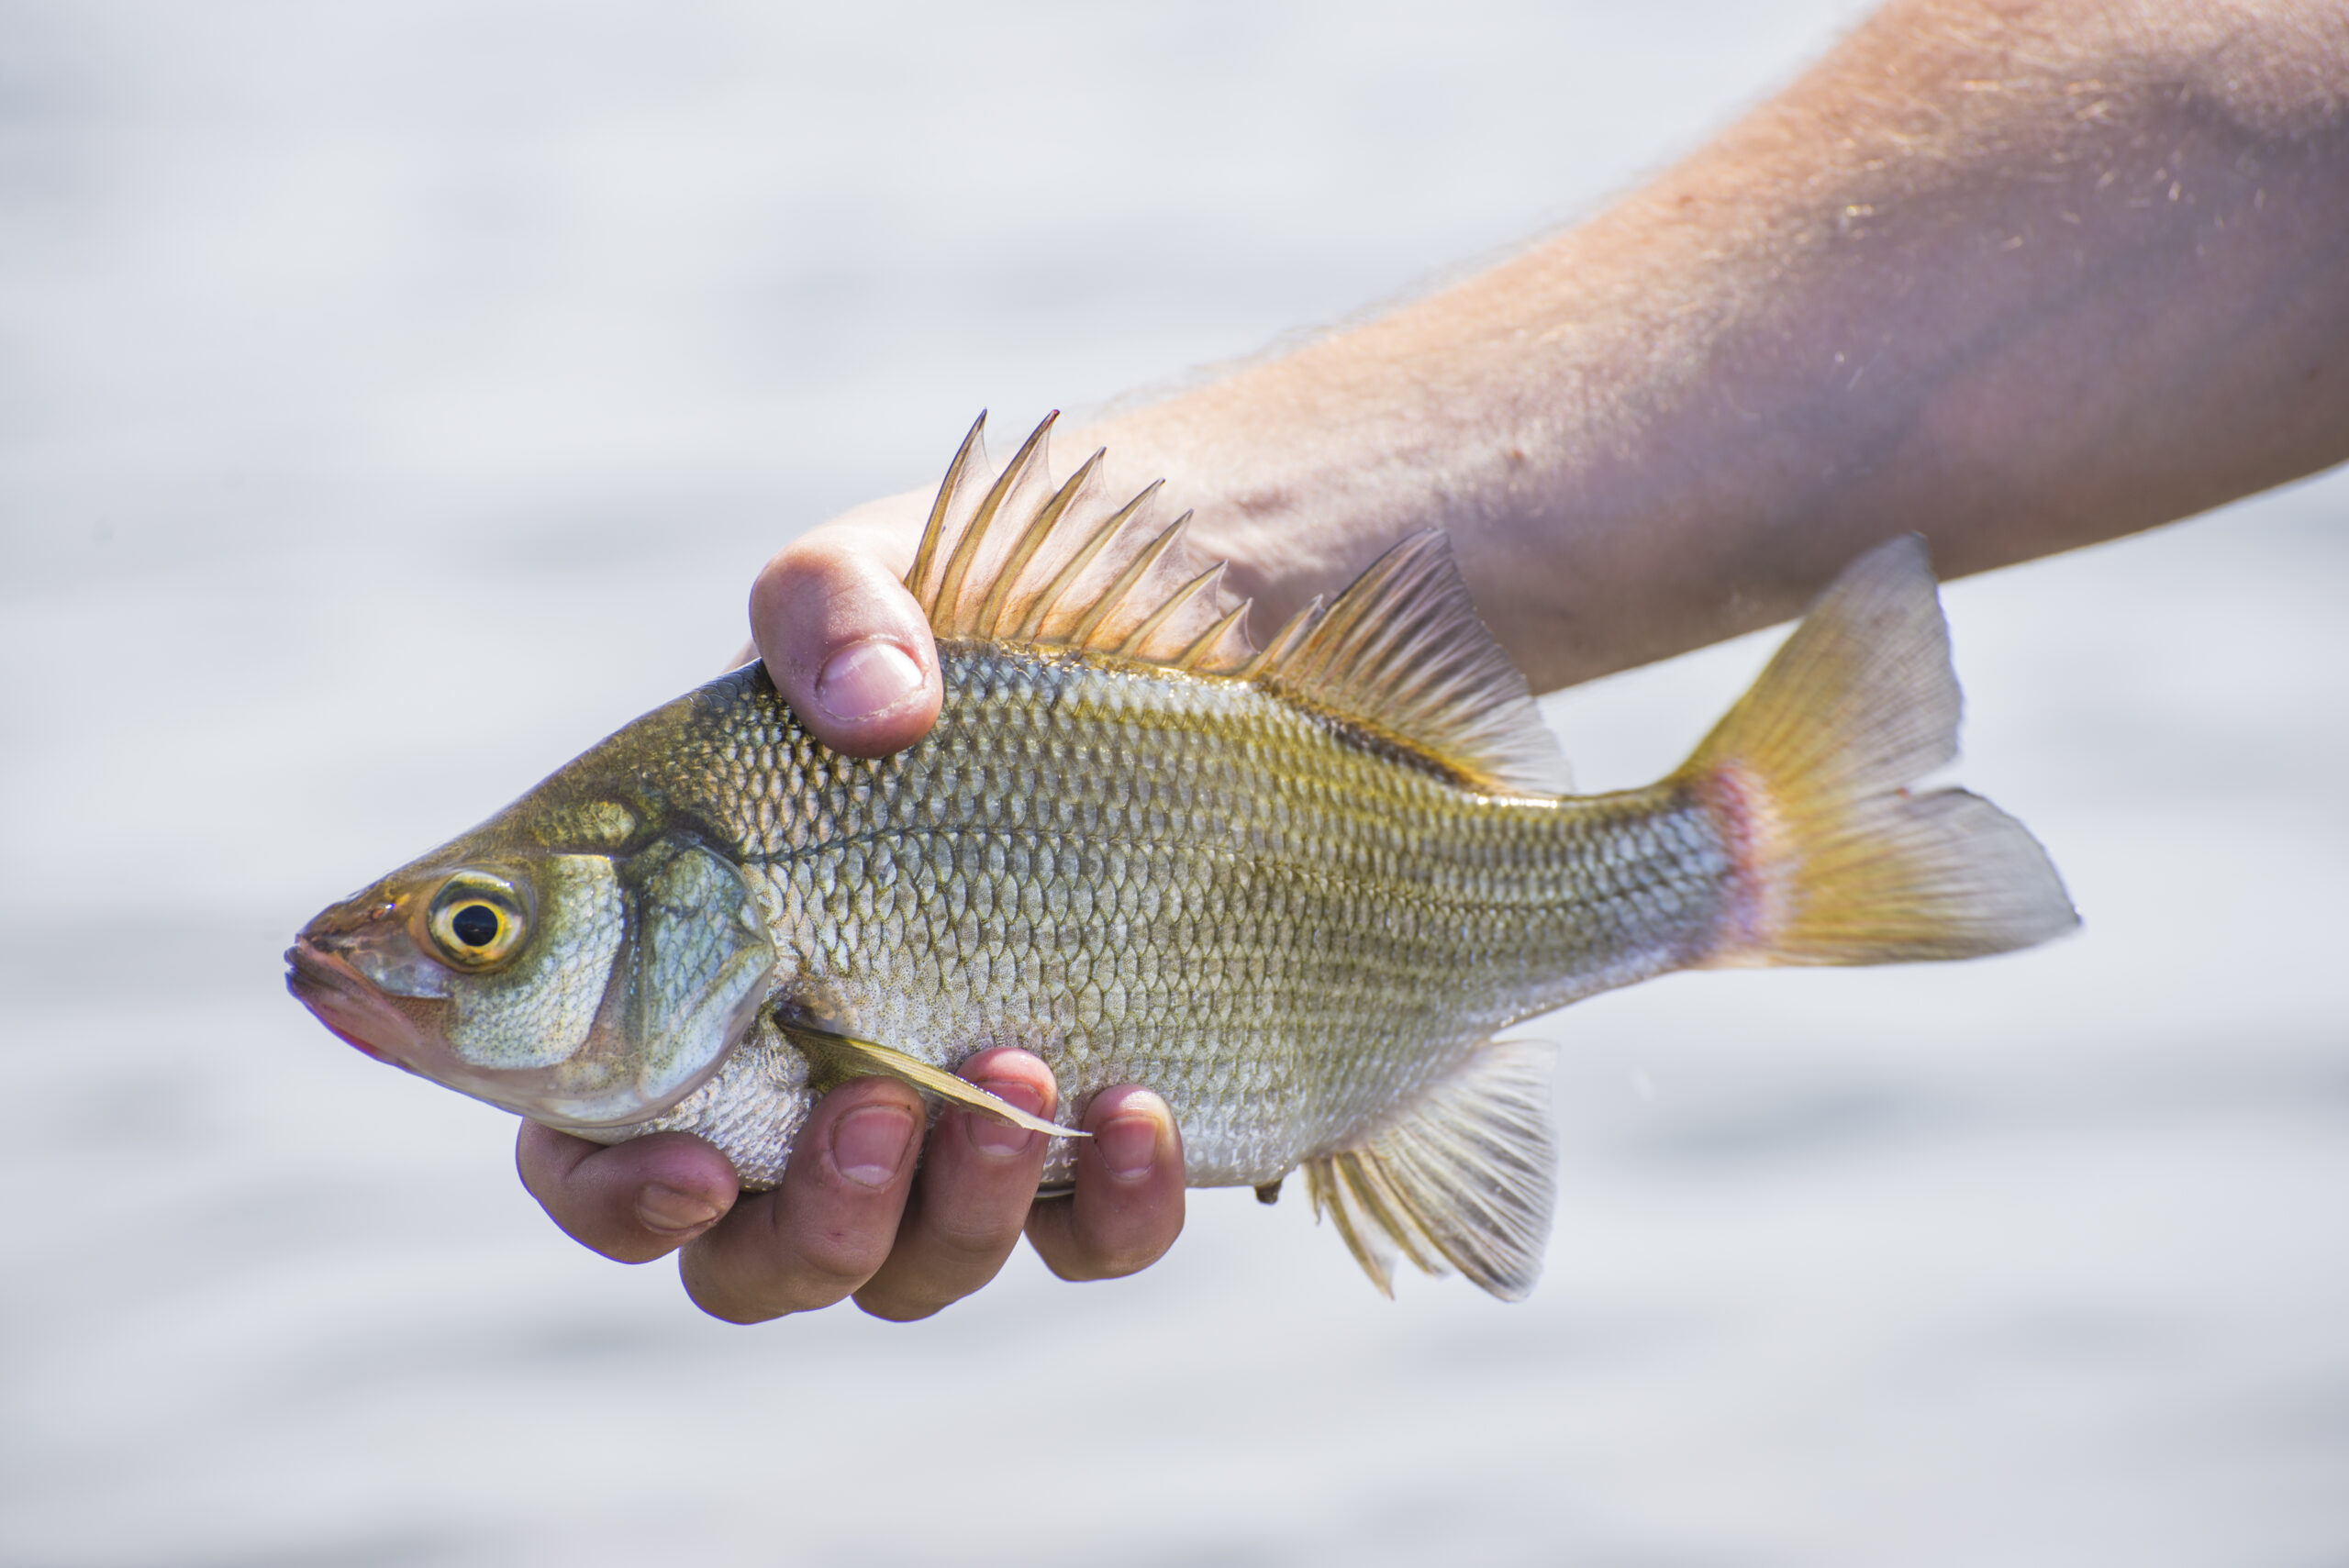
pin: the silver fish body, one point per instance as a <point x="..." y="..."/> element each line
<point x="1298" y="892"/>
<point x="1185" y="883"/>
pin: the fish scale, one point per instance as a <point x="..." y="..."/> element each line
<point x="1242" y="904"/>
<point x="1297" y="891"/>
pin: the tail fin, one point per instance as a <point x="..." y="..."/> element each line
<point x="1807" y="775"/>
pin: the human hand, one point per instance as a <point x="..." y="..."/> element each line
<point x="855" y="1218"/>
<point x="855" y="1213"/>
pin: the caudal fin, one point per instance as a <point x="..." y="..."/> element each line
<point x="1838" y="863"/>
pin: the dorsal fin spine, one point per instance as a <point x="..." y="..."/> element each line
<point x="1032" y="626"/>
<point x="1133" y="573"/>
<point x="1236" y="616"/>
<point x="1141" y="636"/>
<point x="966" y="549"/>
<point x="1401" y="655"/>
<point x="938" y="510"/>
<point x="1047" y="518"/>
<point x="1297" y="626"/>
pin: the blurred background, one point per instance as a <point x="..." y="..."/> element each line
<point x="335" y="339"/>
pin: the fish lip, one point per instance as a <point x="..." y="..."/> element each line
<point x="340" y="998"/>
<point x="310" y="969"/>
<point x="355" y="1011"/>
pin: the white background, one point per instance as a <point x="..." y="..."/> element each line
<point x="395" y="397"/>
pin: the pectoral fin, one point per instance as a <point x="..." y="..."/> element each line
<point x="848" y="1057"/>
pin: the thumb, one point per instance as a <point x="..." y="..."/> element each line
<point x="845" y="644"/>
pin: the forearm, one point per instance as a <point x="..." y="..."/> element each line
<point x="2018" y="283"/>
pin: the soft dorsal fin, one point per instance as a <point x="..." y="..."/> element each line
<point x="1399" y="654"/>
<point x="1402" y="652"/>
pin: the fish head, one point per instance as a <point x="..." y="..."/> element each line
<point x="582" y="987"/>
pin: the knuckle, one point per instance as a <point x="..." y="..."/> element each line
<point x="727" y="1311"/>
<point x="1115" y="1253"/>
<point x="1074" y="1270"/>
<point x="1078" y="1254"/>
<point x="750" y="1273"/>
<point x="971" y="1239"/>
<point x="893" y="1306"/>
<point x="822" y="1278"/>
<point x="839" y="1259"/>
<point x="1118" y="1262"/>
<point x="624" y="1248"/>
<point x="726" y="1295"/>
<point x="708" y="1289"/>
<point x="771" y="590"/>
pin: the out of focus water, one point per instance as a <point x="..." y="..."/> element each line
<point x="394" y="398"/>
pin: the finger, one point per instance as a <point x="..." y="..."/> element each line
<point x="634" y="1201"/>
<point x="845" y="644"/>
<point x="823" y="1231"/>
<point x="978" y="1179"/>
<point x="1128" y="1207"/>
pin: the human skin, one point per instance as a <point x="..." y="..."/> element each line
<point x="2017" y="277"/>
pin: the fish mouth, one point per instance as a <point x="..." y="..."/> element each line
<point x="351" y="1008"/>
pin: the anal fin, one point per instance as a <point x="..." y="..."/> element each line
<point x="848" y="1057"/>
<point x="1466" y="1180"/>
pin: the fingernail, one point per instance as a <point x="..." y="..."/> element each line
<point x="869" y="1144"/>
<point x="1128" y="1145"/>
<point x="867" y="680"/>
<point x="667" y="1208"/>
<point x="995" y="1137"/>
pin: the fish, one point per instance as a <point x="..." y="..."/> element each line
<point x="1302" y="890"/>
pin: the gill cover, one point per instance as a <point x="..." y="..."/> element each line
<point x="641" y="976"/>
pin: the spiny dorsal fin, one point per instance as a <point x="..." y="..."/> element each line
<point x="1400" y="655"/>
<point x="1467" y="1179"/>
<point x="1019" y="560"/>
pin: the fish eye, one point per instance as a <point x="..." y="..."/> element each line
<point x="477" y="924"/>
<point x="477" y="920"/>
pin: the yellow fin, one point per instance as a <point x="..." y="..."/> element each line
<point x="1399" y="655"/>
<point x="1467" y="1178"/>
<point x="1020" y="561"/>
<point x="862" y="1058"/>
<point x="1807" y="777"/>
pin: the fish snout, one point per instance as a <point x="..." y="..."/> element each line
<point x="338" y="927"/>
<point x="342" y="1000"/>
